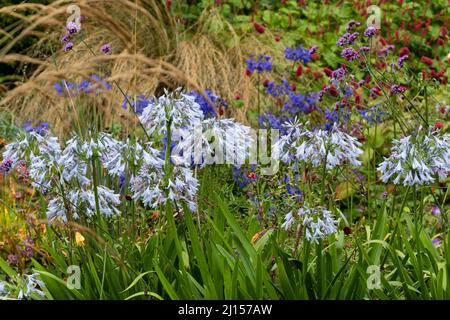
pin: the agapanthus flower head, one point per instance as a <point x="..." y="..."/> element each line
<point x="149" y="186"/>
<point x="370" y="32"/>
<point x="318" y="222"/>
<point x="176" y="108"/>
<point x="213" y="141"/>
<point x="260" y="64"/>
<point x="298" y="54"/>
<point x="349" y="54"/>
<point x="52" y="168"/>
<point x="21" y="286"/>
<point x="417" y="160"/>
<point x="332" y="147"/>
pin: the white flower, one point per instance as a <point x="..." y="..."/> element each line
<point x="56" y="208"/>
<point x="212" y="141"/>
<point x="333" y="147"/>
<point x="149" y="185"/>
<point x="41" y="155"/>
<point x="32" y="283"/>
<point x="73" y="163"/>
<point x="107" y="200"/>
<point x="20" y="287"/>
<point x="177" y="108"/>
<point x="318" y="222"/>
<point x="417" y="160"/>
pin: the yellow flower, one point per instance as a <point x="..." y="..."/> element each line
<point x="256" y="237"/>
<point x="79" y="239"/>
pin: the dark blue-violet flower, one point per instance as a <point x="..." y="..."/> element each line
<point x="277" y="90"/>
<point x="372" y="115"/>
<point x="41" y="128"/>
<point x="260" y="63"/>
<point x="298" y="54"/>
<point x="209" y="107"/>
<point x="138" y="103"/>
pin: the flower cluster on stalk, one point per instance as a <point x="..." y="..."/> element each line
<point x="318" y="147"/>
<point x="417" y="160"/>
<point x="318" y="222"/>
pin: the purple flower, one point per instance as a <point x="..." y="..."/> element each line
<point x="363" y="49"/>
<point x="338" y="73"/>
<point x="106" y="48"/>
<point x="370" y="32"/>
<point x="68" y="46"/>
<point x="372" y="115"/>
<point x="72" y="28"/>
<point x="313" y="49"/>
<point x="351" y="25"/>
<point x="436" y="241"/>
<point x="386" y="50"/>
<point x="349" y="54"/>
<point x="6" y="165"/>
<point x="436" y="211"/>
<point x="401" y="60"/>
<point x="342" y="41"/>
<point x="396" y="89"/>
<point x="353" y="37"/>
<point x="12" y="260"/>
<point x="65" y="38"/>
